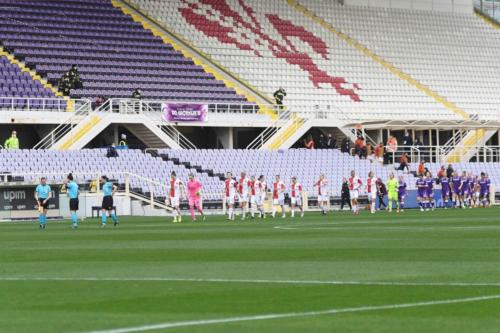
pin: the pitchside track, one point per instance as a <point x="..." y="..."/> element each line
<point x="413" y="272"/>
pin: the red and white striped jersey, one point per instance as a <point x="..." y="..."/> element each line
<point x="371" y="185"/>
<point x="278" y="189"/>
<point x="230" y="187"/>
<point x="243" y="186"/>
<point x="257" y="187"/>
<point x="355" y="183"/>
<point x="251" y="185"/>
<point x="296" y="190"/>
<point x="175" y="188"/>
<point x="321" y="185"/>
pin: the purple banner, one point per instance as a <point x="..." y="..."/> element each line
<point x="175" y="112"/>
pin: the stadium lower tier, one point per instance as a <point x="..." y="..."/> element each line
<point x="209" y="167"/>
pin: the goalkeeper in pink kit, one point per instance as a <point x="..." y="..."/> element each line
<point x="194" y="196"/>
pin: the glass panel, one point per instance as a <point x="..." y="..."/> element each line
<point x="490" y="8"/>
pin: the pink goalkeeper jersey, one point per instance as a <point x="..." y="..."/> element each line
<point x="193" y="187"/>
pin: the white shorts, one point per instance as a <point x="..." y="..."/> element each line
<point x="354" y="194"/>
<point x="322" y="198"/>
<point x="258" y="199"/>
<point x="477" y="194"/>
<point x="230" y="200"/>
<point x="279" y="201"/>
<point x="296" y="201"/>
<point x="243" y="197"/>
<point x="372" y="195"/>
<point x="174" y="201"/>
<point x="252" y="199"/>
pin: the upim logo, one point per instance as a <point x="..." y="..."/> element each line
<point x="14" y="195"/>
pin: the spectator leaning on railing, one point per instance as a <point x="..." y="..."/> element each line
<point x="392" y="148"/>
<point x="12" y="142"/>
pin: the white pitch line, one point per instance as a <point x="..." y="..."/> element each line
<point x="295" y="314"/>
<point x="388" y="227"/>
<point x="260" y="281"/>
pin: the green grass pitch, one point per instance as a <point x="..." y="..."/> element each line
<point x="410" y="272"/>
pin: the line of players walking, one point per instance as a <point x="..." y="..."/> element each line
<point x="250" y="192"/>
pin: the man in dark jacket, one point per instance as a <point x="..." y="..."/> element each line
<point x="449" y="171"/>
<point x="345" y="195"/>
<point x="321" y="141"/>
<point x="381" y="193"/>
<point x="345" y="147"/>
<point x="279" y="95"/>
<point x="331" y="143"/>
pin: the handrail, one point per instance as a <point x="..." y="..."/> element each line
<point x="170" y="130"/>
<point x="62" y="129"/>
<point x="38" y="104"/>
<point x="283" y="118"/>
<point x="438" y="154"/>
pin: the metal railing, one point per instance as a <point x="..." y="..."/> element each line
<point x="154" y="195"/>
<point x="213" y="108"/>
<point x="83" y="110"/>
<point x="12" y="104"/>
<point x="132" y="106"/>
<point x="283" y="118"/>
<point x="439" y="154"/>
<point x="490" y="8"/>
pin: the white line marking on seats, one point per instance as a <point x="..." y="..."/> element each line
<point x="169" y="325"/>
<point x="259" y="281"/>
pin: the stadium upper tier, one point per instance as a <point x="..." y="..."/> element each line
<point x="115" y="55"/>
<point x="306" y="165"/>
<point x="366" y="61"/>
<point x="450" y="53"/>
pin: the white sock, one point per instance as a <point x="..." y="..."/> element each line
<point x="293" y="212"/>
<point x="372" y="207"/>
<point x="274" y="211"/>
<point x="252" y="210"/>
<point x="230" y="213"/>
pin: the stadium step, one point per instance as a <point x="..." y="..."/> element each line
<point x="70" y="105"/>
<point x="469" y="146"/>
<point x="289" y="133"/>
<point x="221" y="73"/>
<point x="145" y="135"/>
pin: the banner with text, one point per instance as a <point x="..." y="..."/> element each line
<point x="179" y="112"/>
<point x="23" y="198"/>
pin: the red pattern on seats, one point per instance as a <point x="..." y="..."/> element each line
<point x="227" y="23"/>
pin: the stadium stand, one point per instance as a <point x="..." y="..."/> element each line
<point x="15" y="83"/>
<point x="272" y="44"/>
<point x="115" y="55"/>
<point x="209" y="166"/>
<point x="448" y="52"/>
